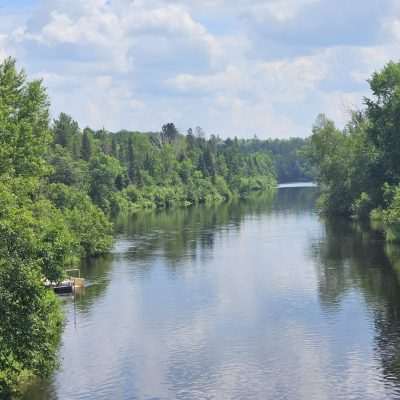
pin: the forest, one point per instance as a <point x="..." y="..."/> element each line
<point x="358" y="167"/>
<point x="61" y="187"/>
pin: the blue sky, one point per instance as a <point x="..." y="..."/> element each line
<point x="244" y="67"/>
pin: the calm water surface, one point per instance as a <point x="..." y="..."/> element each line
<point x="256" y="300"/>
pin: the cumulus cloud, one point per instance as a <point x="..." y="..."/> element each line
<point x="283" y="79"/>
<point x="236" y="68"/>
<point x="280" y="10"/>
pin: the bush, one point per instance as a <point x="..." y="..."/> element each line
<point x="362" y="206"/>
<point x="391" y="217"/>
<point x="89" y="225"/>
<point x="30" y="326"/>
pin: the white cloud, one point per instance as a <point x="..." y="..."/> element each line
<point x="286" y="79"/>
<point x="246" y="97"/>
<point x="280" y="10"/>
<point x="292" y="80"/>
<point x="137" y="64"/>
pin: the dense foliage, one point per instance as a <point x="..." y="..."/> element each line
<point x="127" y="171"/>
<point x="358" y="168"/>
<point x="286" y="156"/>
<point x="41" y="231"/>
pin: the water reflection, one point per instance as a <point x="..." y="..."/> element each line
<point x="178" y="234"/>
<point x="351" y="258"/>
<point x="189" y="233"/>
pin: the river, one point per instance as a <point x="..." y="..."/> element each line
<point x="253" y="300"/>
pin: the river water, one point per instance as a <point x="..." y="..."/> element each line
<point x="253" y="300"/>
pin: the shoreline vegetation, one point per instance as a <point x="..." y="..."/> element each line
<point x="358" y="168"/>
<point x="61" y="187"/>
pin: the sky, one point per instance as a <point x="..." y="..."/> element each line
<point x="234" y="67"/>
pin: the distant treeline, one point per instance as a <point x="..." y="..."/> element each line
<point x="127" y="171"/>
<point x="166" y="168"/>
<point x="358" y="168"/>
<point x="286" y="155"/>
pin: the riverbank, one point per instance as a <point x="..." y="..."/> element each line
<point x="357" y="167"/>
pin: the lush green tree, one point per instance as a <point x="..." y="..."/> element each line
<point x="88" y="224"/>
<point x="86" y="149"/>
<point x="24" y="133"/>
<point x="103" y="173"/>
<point x="132" y="168"/>
<point x="40" y="237"/>
<point x="33" y="228"/>
<point x="36" y="244"/>
<point x="286" y="155"/>
<point x="383" y="112"/>
<point x="67" y="170"/>
<point x="31" y="324"/>
<point x="114" y="147"/>
<point x="169" y="132"/>
<point x="357" y="167"/>
<point x="66" y="132"/>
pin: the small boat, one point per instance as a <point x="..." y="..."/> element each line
<point x="64" y="287"/>
<point x="68" y="285"/>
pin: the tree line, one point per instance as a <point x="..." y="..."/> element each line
<point x="358" y="167"/>
<point x="132" y="170"/>
<point x="126" y="171"/>
<point x="286" y="156"/>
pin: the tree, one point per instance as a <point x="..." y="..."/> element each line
<point x="355" y="165"/>
<point x="114" y="147"/>
<point x="328" y="150"/>
<point x="103" y="172"/>
<point x="66" y="130"/>
<point x="89" y="225"/>
<point x="131" y="161"/>
<point x="24" y="117"/>
<point x="86" y="149"/>
<point x="383" y="112"/>
<point x="65" y="169"/>
<point x="209" y="160"/>
<point x="42" y="230"/>
<point x="169" y="133"/>
<point x="191" y="140"/>
<point x="30" y="324"/>
<point x="36" y="243"/>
